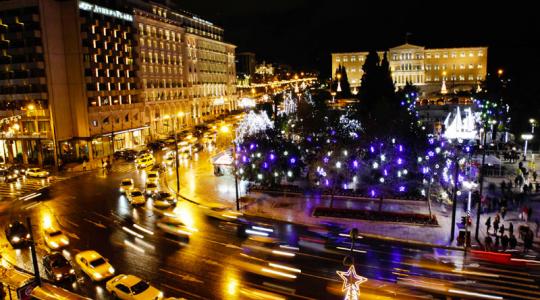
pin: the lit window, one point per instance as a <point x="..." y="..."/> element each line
<point x="461" y="77"/>
<point x="437" y="55"/>
<point x="338" y="59"/>
<point x="436" y="78"/>
<point x="471" y="66"/>
<point x="445" y="54"/>
<point x="471" y="77"/>
<point x="428" y="67"/>
<point x="444" y="67"/>
<point x="428" y="55"/>
<point x="479" y="77"/>
<point x="435" y="67"/>
<point x="471" y="54"/>
<point x="479" y="66"/>
<point x="480" y="53"/>
<point x="462" y="54"/>
<point x="353" y="58"/>
<point x="453" y="54"/>
<point x="345" y="59"/>
<point x="462" y="66"/>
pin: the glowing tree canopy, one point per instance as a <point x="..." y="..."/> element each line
<point x="460" y="128"/>
<point x="253" y="123"/>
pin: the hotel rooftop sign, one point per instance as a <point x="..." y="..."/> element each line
<point x="104" y="11"/>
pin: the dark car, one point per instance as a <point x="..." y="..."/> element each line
<point x="17" y="169"/>
<point x="197" y="147"/>
<point x="17" y="234"/>
<point x="57" y="267"/>
<point x="166" y="196"/>
<point x="8" y="176"/>
<point x="159" y="167"/>
<point x="156" y="145"/>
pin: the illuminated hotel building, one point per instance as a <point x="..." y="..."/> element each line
<point x="107" y="80"/>
<point x="460" y="68"/>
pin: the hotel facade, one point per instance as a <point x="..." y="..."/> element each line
<point x="94" y="77"/>
<point x="459" y="68"/>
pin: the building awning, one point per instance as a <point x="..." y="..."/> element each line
<point x="222" y="159"/>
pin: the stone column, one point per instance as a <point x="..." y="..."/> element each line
<point x="39" y="149"/>
<point x="24" y="145"/>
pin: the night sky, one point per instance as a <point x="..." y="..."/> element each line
<point x="303" y="33"/>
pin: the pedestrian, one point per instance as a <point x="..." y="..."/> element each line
<point x="488" y="242"/>
<point x="512" y="242"/>
<point x="84" y="165"/>
<point x="534" y="174"/>
<point x="503" y="186"/>
<point x="511" y="229"/>
<point x="528" y="241"/>
<point x="503" y="212"/>
<point x="488" y="224"/>
<point x="495" y="226"/>
<point x="502" y="229"/>
<point x="504" y="242"/>
<point x="530" y="187"/>
<point x="529" y="213"/>
<point x="497" y="244"/>
<point x="510" y="186"/>
<point x="102" y="163"/>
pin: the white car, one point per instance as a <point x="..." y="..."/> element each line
<point x="145" y="162"/>
<point x="152" y="176"/>
<point x="144" y="156"/>
<point x="169" y="160"/>
<point x="173" y="226"/>
<point x="136" y="197"/>
<point x="151" y="188"/>
<point x="54" y="238"/>
<point x="37" y="172"/>
<point x="126" y="185"/>
<point x="94" y="265"/>
<point x="221" y="212"/>
<point x="130" y="287"/>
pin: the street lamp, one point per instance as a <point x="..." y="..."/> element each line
<point x="527" y="137"/>
<point x="333" y="96"/>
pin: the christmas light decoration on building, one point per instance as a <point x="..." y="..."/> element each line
<point x="351" y="283"/>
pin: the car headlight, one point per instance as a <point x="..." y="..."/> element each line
<point x="65" y="241"/>
<point x="72" y="271"/>
<point x="111" y="270"/>
<point x="54" y="244"/>
<point x="15" y="239"/>
<point x="97" y="275"/>
<point x="121" y="189"/>
<point x="160" y="294"/>
<point x="9" y="177"/>
<point x="28" y="235"/>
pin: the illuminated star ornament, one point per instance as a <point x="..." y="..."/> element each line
<point x="351" y="283"/>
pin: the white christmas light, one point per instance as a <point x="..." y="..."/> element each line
<point x="252" y="123"/>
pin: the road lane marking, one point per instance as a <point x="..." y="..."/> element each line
<point x="182" y="291"/>
<point x="32" y="205"/>
<point x="72" y="223"/>
<point x="95" y="223"/>
<point x="185" y="277"/>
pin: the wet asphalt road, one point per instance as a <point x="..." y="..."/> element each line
<point x="209" y="265"/>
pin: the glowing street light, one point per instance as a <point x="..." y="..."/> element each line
<point x="527" y="137"/>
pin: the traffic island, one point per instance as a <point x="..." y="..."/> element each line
<point x="377" y="216"/>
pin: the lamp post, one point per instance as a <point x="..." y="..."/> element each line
<point x="533" y="124"/>
<point x="225" y="129"/>
<point x="527" y="137"/>
<point x="176" y="161"/>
